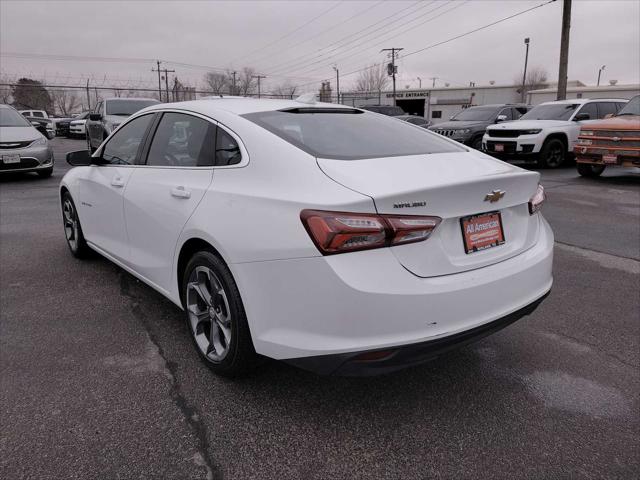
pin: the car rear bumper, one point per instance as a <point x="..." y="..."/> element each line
<point x="356" y="363"/>
<point x="362" y="301"/>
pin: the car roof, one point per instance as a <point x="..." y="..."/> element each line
<point x="241" y="106"/>
<point x="584" y="100"/>
<point x="131" y="98"/>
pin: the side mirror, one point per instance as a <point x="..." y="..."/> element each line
<point x="95" y="117"/>
<point x="609" y="115"/>
<point x="581" y="116"/>
<point x="79" y="159"/>
<point x="501" y="118"/>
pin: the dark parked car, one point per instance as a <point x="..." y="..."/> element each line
<point x="62" y="126"/>
<point x="389" y="110"/>
<point x="415" y="120"/>
<point x="469" y="125"/>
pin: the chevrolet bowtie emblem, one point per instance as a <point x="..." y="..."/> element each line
<point x="616" y="139"/>
<point x="494" y="196"/>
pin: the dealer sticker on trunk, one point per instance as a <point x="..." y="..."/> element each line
<point x="482" y="231"/>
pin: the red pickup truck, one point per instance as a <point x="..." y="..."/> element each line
<point x="612" y="142"/>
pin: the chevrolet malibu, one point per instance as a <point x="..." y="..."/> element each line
<point x="337" y="240"/>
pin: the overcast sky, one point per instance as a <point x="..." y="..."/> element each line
<point x="299" y="41"/>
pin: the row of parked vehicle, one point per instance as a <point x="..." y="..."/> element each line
<point x="596" y="132"/>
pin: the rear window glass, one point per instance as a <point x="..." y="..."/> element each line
<point x="351" y="135"/>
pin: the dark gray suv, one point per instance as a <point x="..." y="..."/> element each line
<point x="468" y="126"/>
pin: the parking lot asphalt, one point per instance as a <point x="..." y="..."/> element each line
<point x="99" y="378"/>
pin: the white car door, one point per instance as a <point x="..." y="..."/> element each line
<point x="163" y="193"/>
<point x="102" y="189"/>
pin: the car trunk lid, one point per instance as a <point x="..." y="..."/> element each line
<point x="451" y="186"/>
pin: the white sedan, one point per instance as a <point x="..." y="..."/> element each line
<point x="77" y="126"/>
<point x="335" y="239"/>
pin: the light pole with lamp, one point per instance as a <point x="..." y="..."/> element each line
<point x="524" y="75"/>
<point x="337" y="82"/>
<point x="599" y="73"/>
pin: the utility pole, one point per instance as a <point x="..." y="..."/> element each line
<point x="88" y="97"/>
<point x="166" y="81"/>
<point x="433" y="85"/>
<point x="393" y="72"/>
<point x="159" y="84"/>
<point x="233" y="92"/>
<point x="337" y="82"/>
<point x="419" y="82"/>
<point x="258" y="77"/>
<point x="564" y="50"/>
<point x="599" y="72"/>
<point x="524" y="75"/>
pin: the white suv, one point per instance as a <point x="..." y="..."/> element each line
<point x="547" y="133"/>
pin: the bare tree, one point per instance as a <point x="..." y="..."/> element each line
<point x="285" y="89"/>
<point x="372" y="79"/>
<point x="65" y="101"/>
<point x="536" y="79"/>
<point x="5" y="90"/>
<point x="246" y="83"/>
<point x="217" y="82"/>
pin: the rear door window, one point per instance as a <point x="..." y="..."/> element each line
<point x="606" y="108"/>
<point x="182" y="140"/>
<point x="349" y="134"/>
<point x="227" y="149"/>
<point x="591" y="109"/>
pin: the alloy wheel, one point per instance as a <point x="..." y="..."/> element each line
<point x="209" y="313"/>
<point x="70" y="223"/>
<point x="555" y="156"/>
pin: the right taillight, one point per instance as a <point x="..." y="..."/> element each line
<point x="537" y="200"/>
<point x="340" y="232"/>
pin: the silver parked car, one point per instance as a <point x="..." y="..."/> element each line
<point x="109" y="114"/>
<point x="23" y="147"/>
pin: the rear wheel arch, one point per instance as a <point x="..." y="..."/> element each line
<point x="188" y="250"/>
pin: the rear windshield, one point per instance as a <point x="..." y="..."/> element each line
<point x="126" y="107"/>
<point x="350" y="134"/>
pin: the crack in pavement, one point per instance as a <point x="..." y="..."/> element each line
<point x="189" y="412"/>
<point x="608" y="260"/>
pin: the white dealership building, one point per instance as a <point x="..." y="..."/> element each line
<point x="440" y="104"/>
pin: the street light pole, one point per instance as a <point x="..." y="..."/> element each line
<point x="599" y="72"/>
<point x="337" y="82"/>
<point x="524" y="75"/>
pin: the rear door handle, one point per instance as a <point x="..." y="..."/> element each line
<point x="180" y="192"/>
<point x="117" y="182"/>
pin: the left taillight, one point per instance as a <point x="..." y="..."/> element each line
<point x="341" y="232"/>
<point x="535" y="203"/>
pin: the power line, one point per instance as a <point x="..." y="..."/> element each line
<point x="322" y="32"/>
<point x="291" y="32"/>
<point x="386" y="39"/>
<point x="428" y="47"/>
<point x="306" y="59"/>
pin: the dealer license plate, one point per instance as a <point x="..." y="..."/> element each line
<point x="610" y="159"/>
<point x="498" y="147"/>
<point x="15" y="158"/>
<point x="482" y="231"/>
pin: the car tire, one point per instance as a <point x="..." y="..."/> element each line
<point x="215" y="316"/>
<point x="72" y="228"/>
<point x="45" y="173"/>
<point x="589" y="170"/>
<point x="553" y="154"/>
<point x="477" y="143"/>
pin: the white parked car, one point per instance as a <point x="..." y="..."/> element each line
<point x="548" y="132"/>
<point x="34" y="113"/>
<point x="77" y="126"/>
<point x="335" y="239"/>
